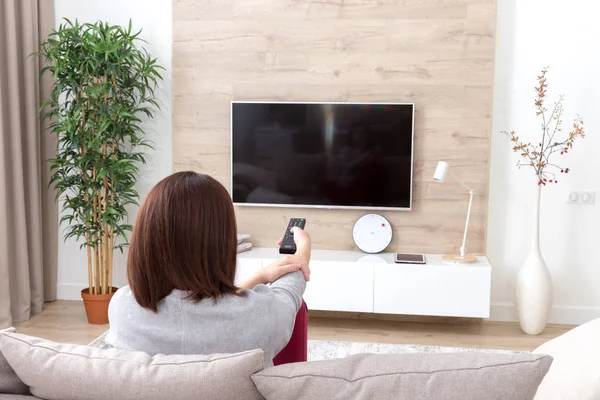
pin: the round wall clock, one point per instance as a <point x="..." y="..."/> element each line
<point x="372" y="233"/>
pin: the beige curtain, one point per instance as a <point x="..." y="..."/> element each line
<point x="28" y="212"/>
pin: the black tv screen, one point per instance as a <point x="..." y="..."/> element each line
<point x="332" y="155"/>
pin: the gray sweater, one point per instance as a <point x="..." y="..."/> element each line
<point x="259" y="318"/>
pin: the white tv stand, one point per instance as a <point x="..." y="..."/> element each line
<point x="359" y="282"/>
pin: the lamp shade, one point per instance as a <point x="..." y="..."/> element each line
<point x="441" y="171"/>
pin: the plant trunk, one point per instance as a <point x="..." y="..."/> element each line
<point x="88" y="248"/>
<point x="89" y="260"/>
<point x="86" y="197"/>
<point x="107" y="255"/>
<point x="96" y="238"/>
<point x="112" y="192"/>
<point x="110" y="265"/>
<point x="96" y="266"/>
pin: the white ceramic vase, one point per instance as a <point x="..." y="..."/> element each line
<point x="533" y="295"/>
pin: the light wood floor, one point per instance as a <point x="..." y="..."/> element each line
<point x="64" y="321"/>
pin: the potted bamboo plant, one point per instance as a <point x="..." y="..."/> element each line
<point x="103" y="84"/>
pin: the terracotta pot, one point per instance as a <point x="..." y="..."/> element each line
<point x="96" y="306"/>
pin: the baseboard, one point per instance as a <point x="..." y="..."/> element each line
<point x="393" y="317"/>
<point x="559" y="314"/>
<point x="69" y="291"/>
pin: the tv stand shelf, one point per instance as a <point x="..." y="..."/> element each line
<point x="358" y="282"/>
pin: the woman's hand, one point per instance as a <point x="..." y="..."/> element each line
<point x="303" y="243"/>
<point x="284" y="266"/>
<point x="303" y="248"/>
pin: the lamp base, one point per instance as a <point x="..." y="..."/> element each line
<point x="458" y="259"/>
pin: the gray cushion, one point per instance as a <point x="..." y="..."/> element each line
<point x="9" y="381"/>
<point x="71" y="372"/>
<point x="427" y="376"/>
<point x="17" y="397"/>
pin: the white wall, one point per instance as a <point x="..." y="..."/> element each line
<point x="563" y="35"/>
<point x="155" y="18"/>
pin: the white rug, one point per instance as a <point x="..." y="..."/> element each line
<point x="329" y="349"/>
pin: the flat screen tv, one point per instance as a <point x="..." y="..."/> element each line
<point x="328" y="155"/>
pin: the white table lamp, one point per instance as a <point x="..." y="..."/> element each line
<point x="439" y="176"/>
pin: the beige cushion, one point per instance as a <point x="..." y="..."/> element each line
<point x="426" y="376"/>
<point x="9" y="381"/>
<point x="70" y="372"/>
<point x="575" y="372"/>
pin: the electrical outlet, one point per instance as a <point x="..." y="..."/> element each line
<point x="581" y="197"/>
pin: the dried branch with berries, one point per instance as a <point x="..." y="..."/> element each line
<point x="539" y="156"/>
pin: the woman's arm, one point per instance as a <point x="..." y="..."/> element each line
<point x="274" y="271"/>
<point x="284" y="265"/>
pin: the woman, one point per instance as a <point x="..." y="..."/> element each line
<point x="181" y="297"/>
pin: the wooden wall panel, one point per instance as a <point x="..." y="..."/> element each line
<point x="438" y="54"/>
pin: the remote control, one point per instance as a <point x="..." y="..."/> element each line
<point x="288" y="246"/>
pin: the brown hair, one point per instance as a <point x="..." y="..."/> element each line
<point x="184" y="238"/>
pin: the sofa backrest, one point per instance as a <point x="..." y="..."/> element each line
<point x="9" y="381"/>
<point x="417" y="376"/>
<point x="36" y="365"/>
<point x="107" y="374"/>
